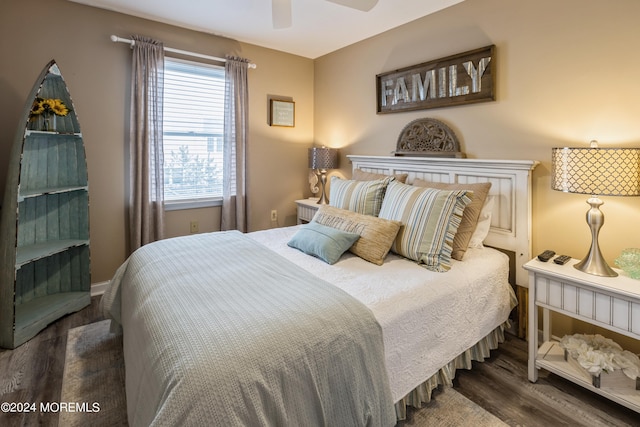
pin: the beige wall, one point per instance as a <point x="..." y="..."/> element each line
<point x="567" y="72"/>
<point x="32" y="32"/>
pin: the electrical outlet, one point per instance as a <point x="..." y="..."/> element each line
<point x="274" y="215"/>
<point x="193" y="227"/>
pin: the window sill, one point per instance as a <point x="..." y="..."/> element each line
<point x="176" y="205"/>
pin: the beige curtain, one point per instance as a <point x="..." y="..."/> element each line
<point x="236" y="122"/>
<point x="146" y="196"/>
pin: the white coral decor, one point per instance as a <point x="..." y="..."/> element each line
<point x="596" y="353"/>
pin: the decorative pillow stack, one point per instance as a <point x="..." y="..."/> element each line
<point x="372" y="214"/>
<point x="431" y="219"/>
<point x="471" y="212"/>
<point x="376" y="234"/>
<point x="363" y="197"/>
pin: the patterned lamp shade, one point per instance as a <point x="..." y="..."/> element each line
<point x="323" y="158"/>
<point x="596" y="171"/>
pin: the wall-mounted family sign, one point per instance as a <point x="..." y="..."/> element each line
<point x="458" y="79"/>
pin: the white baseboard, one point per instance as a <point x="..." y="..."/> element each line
<point x="99" y="288"/>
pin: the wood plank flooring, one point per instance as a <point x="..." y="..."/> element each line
<point x="33" y="373"/>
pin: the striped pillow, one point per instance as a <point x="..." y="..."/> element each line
<point x="430" y="220"/>
<point x="471" y="212"/>
<point x="364" y="197"/>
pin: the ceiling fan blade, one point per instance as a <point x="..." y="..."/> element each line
<point x="363" y="5"/>
<point x="281" y="13"/>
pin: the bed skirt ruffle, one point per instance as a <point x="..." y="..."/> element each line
<point x="478" y="352"/>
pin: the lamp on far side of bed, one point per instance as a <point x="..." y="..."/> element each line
<point x="321" y="159"/>
<point x="598" y="172"/>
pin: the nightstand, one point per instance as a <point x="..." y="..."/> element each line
<point x="612" y="303"/>
<point x="307" y="209"/>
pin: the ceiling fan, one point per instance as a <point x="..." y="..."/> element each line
<point x="281" y="9"/>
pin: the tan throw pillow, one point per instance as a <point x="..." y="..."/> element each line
<point x="360" y="175"/>
<point x="470" y="215"/>
<point x="376" y="234"/>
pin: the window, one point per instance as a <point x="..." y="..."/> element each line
<point x="193" y="118"/>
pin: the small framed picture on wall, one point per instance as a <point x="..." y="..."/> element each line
<point x="283" y="113"/>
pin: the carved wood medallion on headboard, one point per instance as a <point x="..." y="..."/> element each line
<point x="428" y="137"/>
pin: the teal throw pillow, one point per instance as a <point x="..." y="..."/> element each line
<point x="320" y="241"/>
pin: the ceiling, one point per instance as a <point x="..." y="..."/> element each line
<point x="319" y="27"/>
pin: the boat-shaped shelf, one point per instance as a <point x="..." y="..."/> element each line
<point x="45" y="216"/>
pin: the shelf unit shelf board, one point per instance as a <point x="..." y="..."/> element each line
<point x="27" y="254"/>
<point x="35" y="315"/>
<point x="48" y="132"/>
<point x="626" y="397"/>
<point x="36" y="192"/>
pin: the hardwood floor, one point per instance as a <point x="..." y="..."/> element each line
<point x="33" y="373"/>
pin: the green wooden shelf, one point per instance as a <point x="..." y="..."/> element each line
<point x="44" y="230"/>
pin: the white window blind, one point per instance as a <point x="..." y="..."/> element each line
<point x="193" y="119"/>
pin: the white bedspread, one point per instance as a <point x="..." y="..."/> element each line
<point x="427" y="318"/>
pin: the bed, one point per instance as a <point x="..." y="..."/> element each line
<point x="244" y="329"/>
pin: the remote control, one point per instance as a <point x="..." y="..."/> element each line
<point x="546" y="255"/>
<point x="562" y="259"/>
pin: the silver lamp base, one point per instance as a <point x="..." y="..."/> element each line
<point x="323" y="200"/>
<point x="594" y="262"/>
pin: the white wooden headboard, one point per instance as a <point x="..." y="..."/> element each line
<point x="510" y="186"/>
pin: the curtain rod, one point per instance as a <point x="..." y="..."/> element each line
<point x="116" y="39"/>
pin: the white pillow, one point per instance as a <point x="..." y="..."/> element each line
<point x="484" y="223"/>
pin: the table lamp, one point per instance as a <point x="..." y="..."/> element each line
<point x="321" y="159"/>
<point x="598" y="172"/>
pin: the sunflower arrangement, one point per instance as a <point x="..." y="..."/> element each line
<point x="42" y="106"/>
